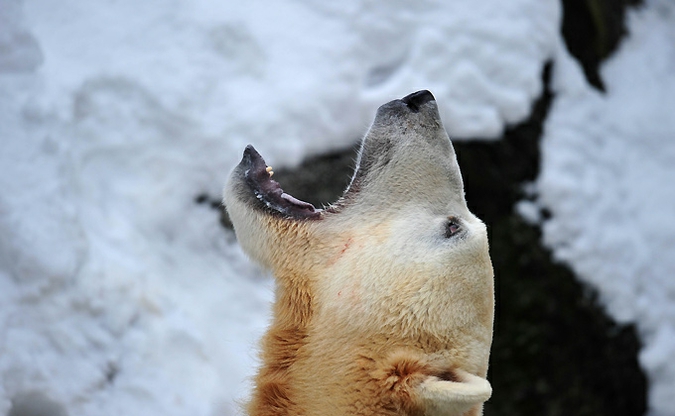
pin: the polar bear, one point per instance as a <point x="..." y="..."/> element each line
<point x="384" y="300"/>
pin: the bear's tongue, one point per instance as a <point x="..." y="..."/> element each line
<point x="259" y="177"/>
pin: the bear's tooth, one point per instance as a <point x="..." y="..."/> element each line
<point x="270" y="171"/>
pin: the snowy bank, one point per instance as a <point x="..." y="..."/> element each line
<point x="607" y="174"/>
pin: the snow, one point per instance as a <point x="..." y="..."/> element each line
<point x="607" y="177"/>
<point x="122" y="295"/>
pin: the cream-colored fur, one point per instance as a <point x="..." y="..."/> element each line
<point x="380" y="310"/>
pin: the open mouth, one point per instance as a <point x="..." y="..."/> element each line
<point x="258" y="177"/>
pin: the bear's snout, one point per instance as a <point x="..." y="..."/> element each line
<point x="415" y="100"/>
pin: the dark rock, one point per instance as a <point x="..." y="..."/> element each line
<point x="555" y="351"/>
<point x="592" y="30"/>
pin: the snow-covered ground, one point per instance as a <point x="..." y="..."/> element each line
<point x="608" y="177"/>
<point x="121" y="295"/>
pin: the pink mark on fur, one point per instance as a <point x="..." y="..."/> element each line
<point x="337" y="256"/>
<point x="347" y="244"/>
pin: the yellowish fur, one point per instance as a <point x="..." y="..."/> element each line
<point x="376" y="312"/>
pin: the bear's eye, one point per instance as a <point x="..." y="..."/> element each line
<point x="452" y="227"/>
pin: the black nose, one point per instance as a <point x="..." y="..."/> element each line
<point x="417" y="99"/>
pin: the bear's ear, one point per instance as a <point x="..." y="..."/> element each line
<point x="453" y="397"/>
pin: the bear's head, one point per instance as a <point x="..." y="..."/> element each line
<point x="399" y="254"/>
